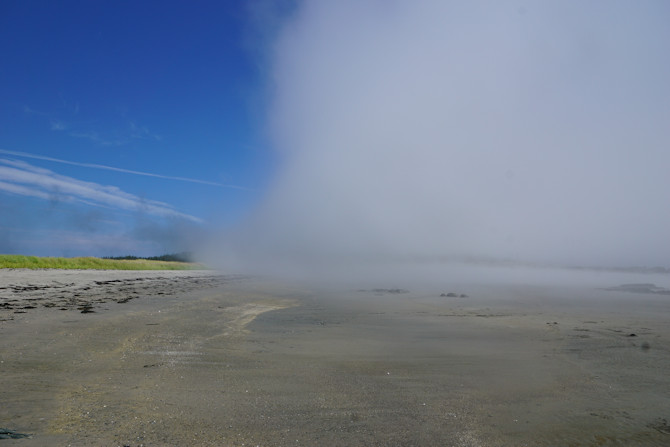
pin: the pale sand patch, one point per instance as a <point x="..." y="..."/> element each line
<point x="240" y="316"/>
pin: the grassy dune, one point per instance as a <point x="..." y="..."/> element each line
<point x="36" y="262"/>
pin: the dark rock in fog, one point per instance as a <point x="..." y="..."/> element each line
<point x="383" y="291"/>
<point x="640" y="288"/>
<point x="453" y="295"/>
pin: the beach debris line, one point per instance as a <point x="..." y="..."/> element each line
<point x="86" y="309"/>
<point x="661" y="424"/>
<point x="640" y="288"/>
<point x="6" y="433"/>
<point x="84" y="295"/>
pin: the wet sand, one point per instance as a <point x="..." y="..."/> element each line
<point x="190" y="358"/>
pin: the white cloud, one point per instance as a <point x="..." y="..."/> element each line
<point x="23" y="190"/>
<point x="24" y="179"/>
<point x="115" y="169"/>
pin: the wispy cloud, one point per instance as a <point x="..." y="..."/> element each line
<point x="18" y="177"/>
<point x="58" y="125"/>
<point x="30" y="111"/>
<point x="118" y="135"/>
<point x="132" y="131"/>
<point x="115" y="169"/>
<point x="142" y="132"/>
<point x="68" y="242"/>
<point x="78" y="242"/>
<point x="23" y="190"/>
<point x="97" y="138"/>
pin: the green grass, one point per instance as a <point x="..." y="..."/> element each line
<point x="37" y="262"/>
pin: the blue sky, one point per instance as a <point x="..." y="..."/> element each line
<point x="173" y="89"/>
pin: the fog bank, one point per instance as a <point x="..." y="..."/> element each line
<point x="437" y="130"/>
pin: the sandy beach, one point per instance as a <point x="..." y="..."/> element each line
<point x="113" y="358"/>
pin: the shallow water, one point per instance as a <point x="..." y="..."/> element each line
<point x="267" y="363"/>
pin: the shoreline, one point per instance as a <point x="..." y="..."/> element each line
<point x="22" y="290"/>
